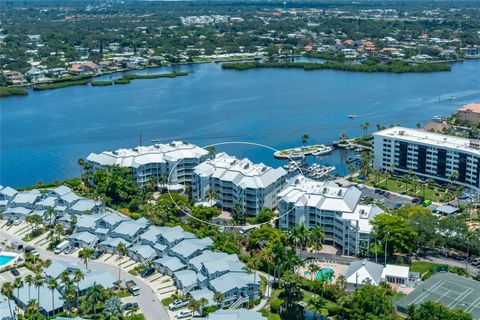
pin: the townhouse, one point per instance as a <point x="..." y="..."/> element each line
<point x="345" y="221"/>
<point x="437" y="156"/>
<point x="176" y="159"/>
<point x="253" y="186"/>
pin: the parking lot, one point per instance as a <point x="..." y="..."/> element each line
<point x="389" y="201"/>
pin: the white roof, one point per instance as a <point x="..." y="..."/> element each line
<point x="395" y="271"/>
<point x="158" y="153"/>
<point x="431" y="138"/>
<point x="328" y="196"/>
<point x="363" y="214"/>
<point x="242" y="173"/>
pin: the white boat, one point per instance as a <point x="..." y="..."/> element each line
<point x="322" y="151"/>
<point x="352" y="116"/>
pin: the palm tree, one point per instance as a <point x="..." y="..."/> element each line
<point x="313" y="269"/>
<point x="318" y="236"/>
<point x="132" y="311"/>
<point x="341" y="283"/>
<point x="53" y="285"/>
<point x="121" y="250"/>
<point x="365" y="126"/>
<point x="7" y="291"/>
<point x="304" y="139"/>
<point x="32" y="309"/>
<point x="218" y="298"/>
<point x="77" y="277"/>
<point x="85" y="255"/>
<point x="65" y="279"/>
<point x="18" y="283"/>
<point x="38" y="282"/>
<point x="203" y="302"/>
<point x="193" y="305"/>
<point x="95" y="295"/>
<point x="29" y="280"/>
<point x="238" y="213"/>
<point x="211" y="195"/>
<point x="294" y="236"/>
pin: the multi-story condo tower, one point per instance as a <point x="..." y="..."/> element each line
<point x="176" y="159"/>
<point x="345" y="222"/>
<point x="428" y="155"/>
<point x="253" y="186"/>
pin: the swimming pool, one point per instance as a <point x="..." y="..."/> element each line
<point x="325" y="273"/>
<point x="5" y="259"/>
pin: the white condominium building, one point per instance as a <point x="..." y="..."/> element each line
<point x="345" y="222"/>
<point x="158" y="160"/>
<point x="254" y="186"/>
<point x="429" y="155"/>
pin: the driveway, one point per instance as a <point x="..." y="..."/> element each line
<point x="148" y="301"/>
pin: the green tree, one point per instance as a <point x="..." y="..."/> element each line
<point x="304" y="139"/>
<point x="264" y="215"/>
<point x="7" y="292"/>
<point x="121" y="250"/>
<point x="112" y="308"/>
<point x="394" y="232"/>
<point x="85" y="255"/>
<point x="38" y="282"/>
<point x="290" y="284"/>
<point x="53" y="285"/>
<point x="367" y="303"/>
<point x="317" y="236"/>
<point x="437" y="311"/>
<point x="29" y="280"/>
<point x="238" y="214"/>
<point x="218" y="298"/>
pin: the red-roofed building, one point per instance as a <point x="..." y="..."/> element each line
<point x="469" y="113"/>
<point x="87" y="67"/>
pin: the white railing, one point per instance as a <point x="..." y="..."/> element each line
<point x="239" y="302"/>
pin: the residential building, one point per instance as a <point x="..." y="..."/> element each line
<point x="345" y="221"/>
<point x="230" y="314"/>
<point x="253" y="186"/>
<point x="428" y="155"/>
<point x="469" y="113"/>
<point x="175" y="160"/>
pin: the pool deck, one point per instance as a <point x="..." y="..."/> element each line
<point x="337" y="268"/>
<point x="15" y="258"/>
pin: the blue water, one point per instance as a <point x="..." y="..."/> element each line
<point x="44" y="134"/>
<point x="5" y="259"/>
<point x="325" y="272"/>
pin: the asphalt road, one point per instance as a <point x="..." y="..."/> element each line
<point x="147" y="301"/>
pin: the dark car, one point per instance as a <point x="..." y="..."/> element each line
<point x="15" y="272"/>
<point x="147" y="272"/>
<point x="377" y="190"/>
<point x="9" y="222"/>
<point x="129" y="305"/>
<point x="398" y="206"/>
<point x="97" y="254"/>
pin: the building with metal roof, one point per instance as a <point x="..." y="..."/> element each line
<point x="253" y="186"/>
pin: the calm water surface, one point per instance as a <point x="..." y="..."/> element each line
<point x="43" y="134"/>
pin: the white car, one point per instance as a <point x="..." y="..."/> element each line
<point x="177" y="304"/>
<point x="184" y="314"/>
<point x="17" y="222"/>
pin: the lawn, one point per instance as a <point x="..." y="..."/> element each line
<point x="398" y="186"/>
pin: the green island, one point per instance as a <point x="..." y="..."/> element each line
<point x="393" y="67"/>
<point x="12" y="91"/>
<point x="101" y="83"/>
<point x="59" y="85"/>
<point x="127" y="78"/>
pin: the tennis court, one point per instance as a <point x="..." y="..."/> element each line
<point x="452" y="291"/>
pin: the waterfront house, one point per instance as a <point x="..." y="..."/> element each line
<point x="469" y="113"/>
<point x="7" y="193"/>
<point x="25" y="199"/>
<point x="361" y="272"/>
<point x="87" y="205"/>
<point x="15" y="213"/>
<point x="175" y="160"/>
<point x="253" y="186"/>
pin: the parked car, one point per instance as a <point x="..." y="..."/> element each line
<point x="464" y="196"/>
<point x="133" y="288"/>
<point x="9" y="222"/>
<point x="184" y="314"/>
<point x="97" y="254"/>
<point x="415" y="200"/>
<point x="475" y="262"/>
<point x="17" y="222"/>
<point x="360" y="186"/>
<point x="426" y="203"/>
<point x="35" y="253"/>
<point x="69" y="250"/>
<point x="177" y="304"/>
<point x="61" y="246"/>
<point x="398" y="206"/>
<point x="387" y="194"/>
<point x="377" y="190"/>
<point x="129" y="305"/>
<point x="147" y="272"/>
<point x="15" y="272"/>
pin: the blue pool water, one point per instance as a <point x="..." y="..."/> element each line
<point x="327" y="273"/>
<point x="5" y="259"/>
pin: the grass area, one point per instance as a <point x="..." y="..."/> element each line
<point x="34" y="234"/>
<point x="59" y="85"/>
<point x="129" y="77"/>
<point x="270" y="315"/>
<point x="72" y="183"/>
<point x="396" y="185"/>
<point x="11" y="91"/>
<point x="101" y="83"/>
<point x="426" y="268"/>
<point x="327" y="308"/>
<point x="364" y="141"/>
<point x="121" y="81"/>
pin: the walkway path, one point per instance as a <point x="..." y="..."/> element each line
<point x="148" y="302"/>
